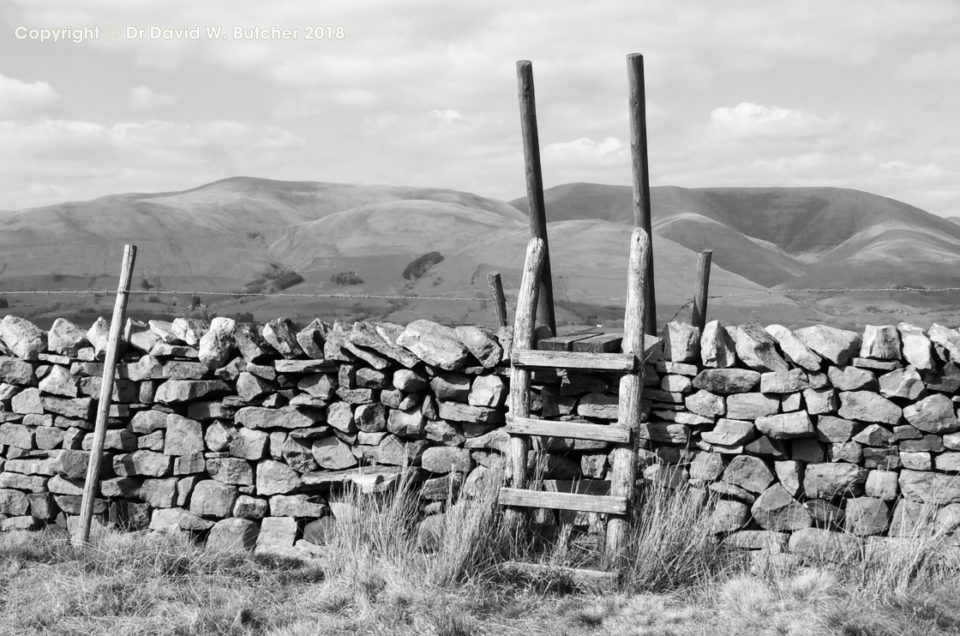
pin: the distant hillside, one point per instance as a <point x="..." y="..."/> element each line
<point x="352" y="244"/>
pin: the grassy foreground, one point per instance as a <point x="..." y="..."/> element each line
<point x="380" y="576"/>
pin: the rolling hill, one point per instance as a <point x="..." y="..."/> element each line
<point x="256" y="234"/>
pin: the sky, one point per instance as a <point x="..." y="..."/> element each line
<point x="853" y="94"/>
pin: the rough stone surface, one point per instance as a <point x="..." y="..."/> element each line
<point x="866" y="516"/>
<point x="836" y="345"/>
<point x="726" y="381"/>
<point x="947" y="338"/>
<point x="851" y="379"/>
<point x="821" y="544"/>
<point x="65" y="338"/>
<point x="880" y="343"/>
<point x="211" y="498"/>
<point x="183" y="436"/>
<point x="729" y="516"/>
<point x="828" y="480"/>
<point x="482" y="344"/>
<point x="786" y="425"/>
<point x="757" y="349"/>
<point x="933" y="414"/>
<point x="333" y="454"/>
<point x="286" y="418"/>
<point x="717" y="348"/>
<point x="750" y="406"/>
<point x="435" y="344"/>
<point x="794" y="349"/>
<point x="775" y="509"/>
<point x="233" y="534"/>
<point x="275" y="478"/>
<point x="281" y="334"/>
<point x="750" y="473"/>
<point x="904" y="383"/>
<point x="916" y="347"/>
<point x="866" y="406"/>
<point x="22" y="338"/>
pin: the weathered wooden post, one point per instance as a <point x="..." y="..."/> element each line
<point x="623" y="457"/>
<point x="92" y="483"/>
<point x="499" y="300"/>
<point x="537" y="210"/>
<point x="698" y="317"/>
<point x="641" y="176"/>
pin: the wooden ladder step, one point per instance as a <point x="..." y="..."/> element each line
<point x="564" y="342"/>
<point x="601" y="343"/>
<point x="531" y="358"/>
<point x="567" y="430"/>
<point x="606" y="504"/>
<point x="579" y="577"/>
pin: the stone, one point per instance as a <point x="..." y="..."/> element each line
<point x="333" y="454"/>
<point x="790" y="476"/>
<point x="446" y="459"/>
<point x="281" y="334"/>
<point x="59" y="381"/>
<point x="230" y="470"/>
<point x="27" y="401"/>
<point x="98" y="335"/>
<point x="676" y="383"/>
<point x="728" y="516"/>
<point x="249" y="444"/>
<point x="471" y="414"/>
<point x="681" y="342"/>
<point x="866" y="406"/>
<point x="852" y="379"/>
<point x="602" y="406"/>
<point x="22" y="337"/>
<point x="828" y="480"/>
<point x="319" y="385"/>
<point x="850" y="452"/>
<point x="159" y="493"/>
<point x="48" y="438"/>
<point x="880" y="343"/>
<point x="780" y="382"/>
<point x="947" y="462"/>
<point x="409" y="381"/>
<point x="706" y="466"/>
<point x="717" y="348"/>
<point x="143" y="463"/>
<point x="15" y="371"/>
<point x="947" y="338"/>
<point x="933" y="414"/>
<point x="287" y="417"/>
<point x="775" y="509"/>
<point x="487" y="390"/>
<point x="824" y="545"/>
<point x="807" y="450"/>
<point x="183" y="436"/>
<point x="16" y="435"/>
<point x="275" y="478"/>
<point x="882" y="484"/>
<point x="786" y="425"/>
<point x="406" y="423"/>
<point x="925" y="443"/>
<point x="482" y="344"/>
<point x="820" y="401"/>
<point x="874" y="435"/>
<point x="729" y="432"/>
<point x="179" y="391"/>
<point x="371" y="418"/>
<point x="757" y="349"/>
<point x="904" y="383"/>
<point x="453" y="387"/>
<point x="296" y="506"/>
<point x="835" y="429"/>
<point x="248" y="507"/>
<point x="882" y="458"/>
<point x="794" y="349"/>
<point x="146" y="422"/>
<point x="866" y="516"/>
<point x="705" y="404"/>
<point x="750" y="473"/>
<point x="114" y="439"/>
<point x="310" y="339"/>
<point x="233" y="534"/>
<point x="65" y="338"/>
<point x="176" y="519"/>
<point x="726" y="381"/>
<point x="189" y="464"/>
<point x="340" y="417"/>
<point x="750" y="406"/>
<point x="435" y="344"/>
<point x="189" y="330"/>
<point x="145" y="341"/>
<point x="211" y="498"/>
<point x="836" y="345"/>
<point x="250" y="343"/>
<point x="916" y="347"/>
<point x="666" y="433"/>
<point x="382" y="338"/>
<point x="217" y="346"/>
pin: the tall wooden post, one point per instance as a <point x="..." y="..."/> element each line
<point x="623" y="457"/>
<point x="698" y="317"/>
<point x="641" y="176"/>
<point x="537" y="209"/>
<point x="92" y="483"/>
<point x="499" y="300"/>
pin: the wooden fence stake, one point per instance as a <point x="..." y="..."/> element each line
<point x="92" y="483"/>
<point x="698" y="317"/>
<point x="537" y="210"/>
<point x="641" y="176"/>
<point x="499" y="300"/>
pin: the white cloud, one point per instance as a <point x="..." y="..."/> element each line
<point x="584" y="149"/>
<point x="23" y="99"/>
<point x="145" y="97"/>
<point x="747" y="119"/>
<point x="910" y="171"/>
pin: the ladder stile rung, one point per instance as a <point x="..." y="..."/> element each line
<point x="605" y="504"/>
<point x="615" y="362"/>
<point x="568" y="430"/>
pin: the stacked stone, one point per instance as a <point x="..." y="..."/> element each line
<point x="239" y="432"/>
<point x="814" y="438"/>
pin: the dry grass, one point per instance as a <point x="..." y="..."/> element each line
<point x="378" y="575"/>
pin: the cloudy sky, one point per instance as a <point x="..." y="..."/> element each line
<point x="740" y="93"/>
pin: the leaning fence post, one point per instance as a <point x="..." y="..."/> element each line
<point x="92" y="482"/>
<point x="641" y="176"/>
<point x="698" y="317"/>
<point x="499" y="300"/>
<point x="535" y="203"/>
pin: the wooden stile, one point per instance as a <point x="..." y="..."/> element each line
<point x="641" y="176"/>
<point x="574" y="360"/>
<point x="499" y="300"/>
<point x="534" y="177"/>
<point x="698" y="317"/>
<point x="92" y="483"/>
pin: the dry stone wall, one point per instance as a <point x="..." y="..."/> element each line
<point x="242" y="433"/>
